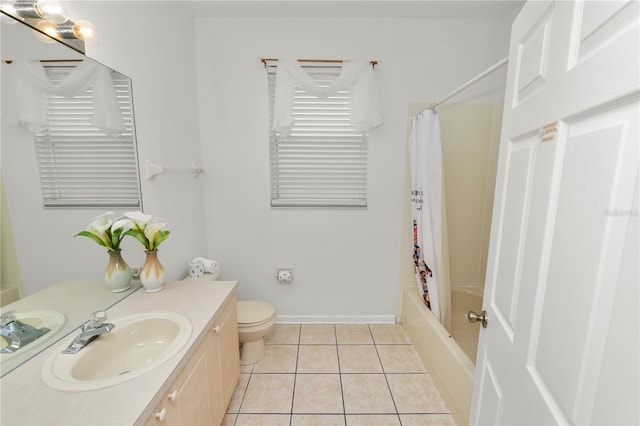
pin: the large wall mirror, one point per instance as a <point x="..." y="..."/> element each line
<point x="49" y="277"/>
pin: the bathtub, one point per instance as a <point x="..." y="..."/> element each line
<point x="450" y="367"/>
<point x="464" y="333"/>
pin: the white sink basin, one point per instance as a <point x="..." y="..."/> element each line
<point x="136" y="345"/>
<point x="51" y="319"/>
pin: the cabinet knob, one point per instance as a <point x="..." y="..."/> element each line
<point x="216" y="328"/>
<point x="162" y="414"/>
<point x="173" y="396"/>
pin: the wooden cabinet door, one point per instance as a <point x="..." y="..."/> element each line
<point x="202" y="391"/>
<point x="193" y="400"/>
<point x="226" y="358"/>
<point x="188" y="400"/>
<point x="164" y="414"/>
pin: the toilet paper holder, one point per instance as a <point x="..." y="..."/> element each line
<point x="284" y="274"/>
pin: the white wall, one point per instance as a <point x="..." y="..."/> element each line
<point x="162" y="67"/>
<point x="346" y="262"/>
<point x="152" y="42"/>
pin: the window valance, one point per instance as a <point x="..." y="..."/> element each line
<point x="32" y="86"/>
<point x="356" y="75"/>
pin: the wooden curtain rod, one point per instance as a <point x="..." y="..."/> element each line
<point x="10" y="61"/>
<point x="328" y="61"/>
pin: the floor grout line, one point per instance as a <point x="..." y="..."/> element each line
<point x="344" y="408"/>
<point x="295" y="377"/>
<point x="345" y="416"/>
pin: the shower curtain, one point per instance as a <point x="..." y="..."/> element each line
<point x="428" y="213"/>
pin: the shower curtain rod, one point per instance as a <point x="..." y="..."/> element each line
<point x="10" y="61"/>
<point x="474" y="80"/>
<point x="329" y="61"/>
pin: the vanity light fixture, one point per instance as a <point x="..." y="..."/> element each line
<point x="49" y="28"/>
<point x="28" y="9"/>
<point x="50" y="17"/>
<point x="84" y="30"/>
<point x="54" y="11"/>
<point x="38" y="9"/>
<point x="68" y="30"/>
<point x="9" y="9"/>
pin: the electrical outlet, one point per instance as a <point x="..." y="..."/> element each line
<point x="284" y="274"/>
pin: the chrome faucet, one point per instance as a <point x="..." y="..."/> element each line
<point x="90" y="331"/>
<point x="18" y="334"/>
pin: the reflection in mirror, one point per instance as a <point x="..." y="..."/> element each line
<point x="49" y="279"/>
<point x="50" y="18"/>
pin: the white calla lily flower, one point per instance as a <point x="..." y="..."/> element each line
<point x="99" y="230"/>
<point x="102" y="224"/>
<point x="152" y="229"/>
<point x="124" y="223"/>
<point x="138" y="217"/>
<point x="142" y="227"/>
<point x="102" y="216"/>
<point x="99" y="233"/>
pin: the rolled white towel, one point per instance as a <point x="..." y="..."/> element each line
<point x="210" y="266"/>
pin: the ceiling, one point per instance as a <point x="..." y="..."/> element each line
<point x="442" y="9"/>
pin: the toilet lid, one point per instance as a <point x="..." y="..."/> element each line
<point x="253" y="311"/>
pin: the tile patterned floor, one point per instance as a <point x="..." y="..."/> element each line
<point x="349" y="375"/>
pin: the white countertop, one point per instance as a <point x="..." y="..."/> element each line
<point x="26" y="400"/>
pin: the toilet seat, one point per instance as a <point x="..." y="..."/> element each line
<point x="252" y="313"/>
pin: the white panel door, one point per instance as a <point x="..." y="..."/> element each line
<point x="561" y="345"/>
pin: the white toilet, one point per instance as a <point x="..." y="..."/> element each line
<point x="256" y="319"/>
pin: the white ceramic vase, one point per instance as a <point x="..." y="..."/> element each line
<point x="118" y="274"/>
<point x="152" y="274"/>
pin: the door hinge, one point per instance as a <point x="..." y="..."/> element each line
<point x="548" y="132"/>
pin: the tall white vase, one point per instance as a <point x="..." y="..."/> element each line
<point x="152" y="274"/>
<point x="118" y="274"/>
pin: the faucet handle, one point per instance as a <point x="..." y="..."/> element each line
<point x="7" y="318"/>
<point x="97" y="318"/>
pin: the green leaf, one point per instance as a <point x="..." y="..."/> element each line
<point x="92" y="236"/>
<point x="139" y="236"/>
<point x="160" y="237"/>
<point x="115" y="238"/>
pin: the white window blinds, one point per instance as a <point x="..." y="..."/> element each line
<point x="323" y="161"/>
<point x="80" y="165"/>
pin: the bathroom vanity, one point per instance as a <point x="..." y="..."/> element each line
<point x="192" y="387"/>
<point x="202" y="391"/>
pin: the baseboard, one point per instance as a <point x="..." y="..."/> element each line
<point x="336" y="319"/>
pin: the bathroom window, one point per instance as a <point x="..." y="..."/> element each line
<point x="81" y="165"/>
<point x="323" y="161"/>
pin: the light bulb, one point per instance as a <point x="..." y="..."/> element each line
<point x="53" y="11"/>
<point x="7" y="7"/>
<point x="84" y="30"/>
<point x="49" y="28"/>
